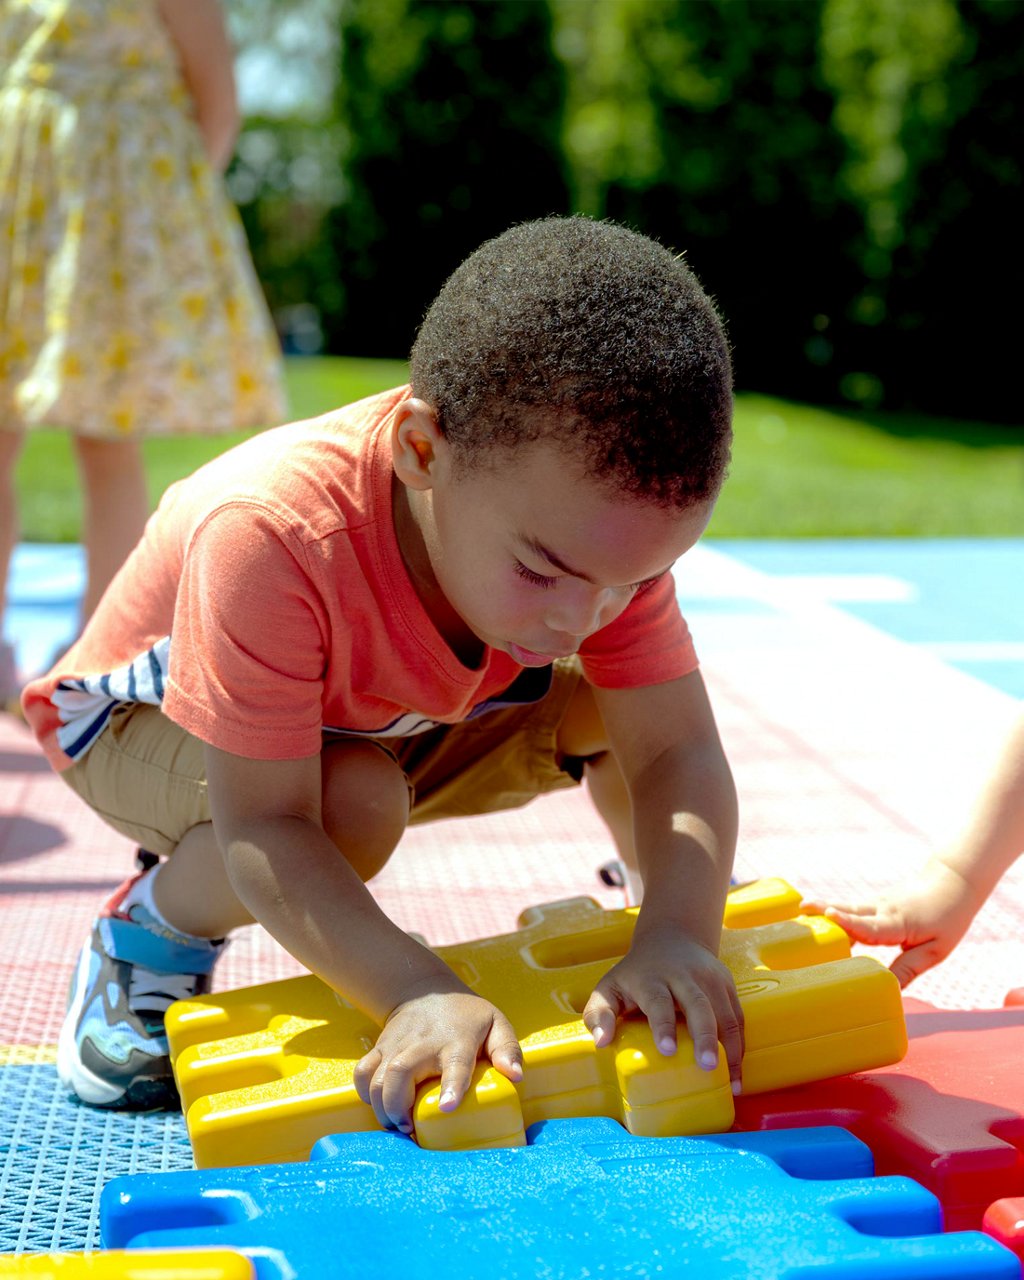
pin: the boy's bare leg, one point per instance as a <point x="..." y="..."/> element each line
<point x="582" y="734"/>
<point x="116" y="507"/>
<point x="365" y="812"/>
<point x="607" y="789"/>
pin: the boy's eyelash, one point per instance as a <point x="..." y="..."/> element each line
<point x="542" y="580"/>
<point x="535" y="579"/>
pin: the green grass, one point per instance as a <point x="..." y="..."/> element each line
<point x="798" y="471"/>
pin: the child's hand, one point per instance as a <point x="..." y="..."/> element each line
<point x="927" y="918"/>
<point x="434" y="1035"/>
<point x="663" y="971"/>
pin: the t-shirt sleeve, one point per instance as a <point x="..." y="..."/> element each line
<point x="249" y="639"/>
<point x="648" y="643"/>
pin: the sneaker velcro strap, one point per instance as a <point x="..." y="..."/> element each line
<point x="135" y="944"/>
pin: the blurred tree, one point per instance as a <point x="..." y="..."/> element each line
<point x="708" y="125"/>
<point x="452" y="111"/>
<point x="928" y="100"/>
<point x="285" y="175"/>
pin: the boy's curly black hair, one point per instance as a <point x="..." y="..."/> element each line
<point x="593" y="336"/>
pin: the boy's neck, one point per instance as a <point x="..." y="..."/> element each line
<point x="466" y="646"/>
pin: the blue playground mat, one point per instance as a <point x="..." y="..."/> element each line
<point x="56" y="1156"/>
<point x="958" y="598"/>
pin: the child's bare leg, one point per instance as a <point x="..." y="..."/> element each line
<point x="365" y="811"/>
<point x="10" y="447"/>
<point x="116" y="507"/>
<point x="607" y="789"/>
<point x="582" y="734"/>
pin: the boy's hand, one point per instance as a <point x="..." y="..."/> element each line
<point x="926" y="919"/>
<point x="439" y="1034"/>
<point x="664" y="971"/>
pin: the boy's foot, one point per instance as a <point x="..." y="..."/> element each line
<point x="112" y="1050"/>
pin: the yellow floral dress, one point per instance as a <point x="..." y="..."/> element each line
<point x="128" y="301"/>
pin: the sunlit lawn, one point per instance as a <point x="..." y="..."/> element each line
<point x="798" y="471"/>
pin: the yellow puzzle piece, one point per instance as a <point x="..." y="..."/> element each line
<point x="265" y="1071"/>
<point x="130" y="1264"/>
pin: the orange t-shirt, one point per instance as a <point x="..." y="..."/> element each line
<point x="268" y="603"/>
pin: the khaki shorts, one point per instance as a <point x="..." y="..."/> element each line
<point x="147" y="777"/>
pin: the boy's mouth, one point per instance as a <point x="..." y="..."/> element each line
<point x="527" y="657"/>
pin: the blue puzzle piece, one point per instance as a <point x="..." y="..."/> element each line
<point x="583" y="1199"/>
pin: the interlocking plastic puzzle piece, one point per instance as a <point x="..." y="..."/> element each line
<point x="266" y="1071"/>
<point x="951" y="1114"/>
<point x="1004" y="1221"/>
<point x="583" y="1199"/>
<point x="159" y="1264"/>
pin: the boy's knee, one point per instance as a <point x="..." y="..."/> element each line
<point x="582" y="732"/>
<point x="365" y="803"/>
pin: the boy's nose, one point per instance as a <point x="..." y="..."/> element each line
<point x="584" y="613"/>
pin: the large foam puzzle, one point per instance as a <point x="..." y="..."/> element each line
<point x="160" y="1264"/>
<point x="584" y="1198"/>
<point x="265" y="1071"/>
<point x="951" y="1114"/>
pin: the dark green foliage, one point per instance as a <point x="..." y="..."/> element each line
<point x="844" y="176"/>
<point x="744" y="172"/>
<point x="453" y="110"/>
<point x="948" y="338"/>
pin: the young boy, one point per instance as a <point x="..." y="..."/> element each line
<point x="928" y="917"/>
<point x="443" y="600"/>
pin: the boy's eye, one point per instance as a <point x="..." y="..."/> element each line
<point x="534" y="579"/>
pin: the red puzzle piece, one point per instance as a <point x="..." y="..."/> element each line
<point x="951" y="1114"/>
<point x="1005" y="1221"/>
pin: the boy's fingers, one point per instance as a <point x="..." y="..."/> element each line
<point x="601" y="1013"/>
<point x="363" y="1074"/>
<point x="504" y="1050"/>
<point x="456" y="1074"/>
<point x="702" y="1025"/>
<point x="395" y="1088"/>
<point x="730" y="1033"/>
<point x="659" y="1008"/>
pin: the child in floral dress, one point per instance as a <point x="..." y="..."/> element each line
<point x="128" y="303"/>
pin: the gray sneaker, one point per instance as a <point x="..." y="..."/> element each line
<point x="113" y="1050"/>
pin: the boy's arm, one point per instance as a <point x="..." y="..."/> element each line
<point x="684" y="817"/>
<point x="197" y="30"/>
<point x="295" y="882"/>
<point x="929" y="916"/>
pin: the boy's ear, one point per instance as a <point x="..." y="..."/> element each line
<point x="416" y="443"/>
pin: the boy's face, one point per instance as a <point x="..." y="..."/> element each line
<point x="529" y="554"/>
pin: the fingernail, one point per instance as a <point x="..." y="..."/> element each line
<point x="667" y="1045"/>
<point x="598" y="1034"/>
<point x="736" y="1086"/>
<point x="708" y="1060"/>
<point x="447" y="1098"/>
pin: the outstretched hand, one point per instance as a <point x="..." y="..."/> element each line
<point x="666" y="971"/>
<point x="438" y="1034"/>
<point x="926" y="919"/>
